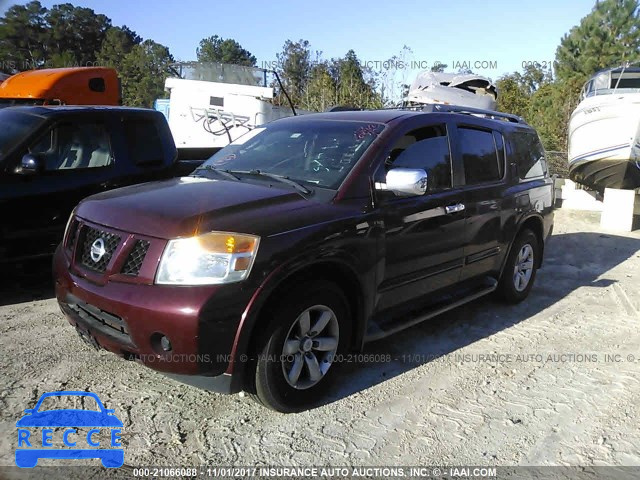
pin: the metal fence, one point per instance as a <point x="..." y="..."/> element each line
<point x="558" y="164"/>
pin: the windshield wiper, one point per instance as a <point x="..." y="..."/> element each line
<point x="224" y="173"/>
<point x="280" y="178"/>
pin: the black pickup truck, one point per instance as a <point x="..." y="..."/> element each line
<point x="53" y="157"/>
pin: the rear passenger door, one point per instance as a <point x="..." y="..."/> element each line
<point x="481" y="171"/>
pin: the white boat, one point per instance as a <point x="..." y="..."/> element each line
<point x="466" y="90"/>
<point x="604" y="131"/>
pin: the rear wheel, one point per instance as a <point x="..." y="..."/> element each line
<point x="520" y="270"/>
<point x="295" y="360"/>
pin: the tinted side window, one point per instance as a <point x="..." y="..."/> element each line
<point x="426" y="148"/>
<point x="479" y="156"/>
<point x="71" y="146"/>
<point x="530" y="158"/>
<point x="143" y="141"/>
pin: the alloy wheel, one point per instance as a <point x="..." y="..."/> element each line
<point x="523" y="269"/>
<point x="310" y="347"/>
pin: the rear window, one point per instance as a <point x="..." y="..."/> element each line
<point x="480" y="156"/>
<point x="529" y="155"/>
<point x="143" y="141"/>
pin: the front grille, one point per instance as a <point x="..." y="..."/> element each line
<point x="103" y="251"/>
<point x="71" y="236"/>
<point x="135" y="258"/>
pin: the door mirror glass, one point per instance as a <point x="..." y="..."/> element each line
<point x="31" y="164"/>
<point x="406" y="182"/>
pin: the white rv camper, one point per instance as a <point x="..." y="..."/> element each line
<point x="211" y="104"/>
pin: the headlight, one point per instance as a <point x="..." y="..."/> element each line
<point x="212" y="258"/>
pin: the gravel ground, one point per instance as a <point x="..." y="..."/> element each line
<point x="563" y="390"/>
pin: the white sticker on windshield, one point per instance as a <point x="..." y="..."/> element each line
<point x="295" y="135"/>
<point x="247" y="136"/>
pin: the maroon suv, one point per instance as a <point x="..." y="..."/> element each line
<point x="305" y="239"/>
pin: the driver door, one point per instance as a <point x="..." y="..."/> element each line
<point x="423" y="234"/>
<point x="75" y="160"/>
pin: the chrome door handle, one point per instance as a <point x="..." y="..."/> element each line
<point x="458" y="207"/>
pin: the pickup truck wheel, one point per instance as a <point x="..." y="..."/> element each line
<point x="520" y="270"/>
<point x="295" y="361"/>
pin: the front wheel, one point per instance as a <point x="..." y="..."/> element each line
<point x="520" y="270"/>
<point x="295" y="361"/>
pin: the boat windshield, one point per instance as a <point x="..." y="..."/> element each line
<point x="626" y="81"/>
<point x="610" y="82"/>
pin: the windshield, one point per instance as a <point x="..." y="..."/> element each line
<point x="318" y="152"/>
<point x="15" y="127"/>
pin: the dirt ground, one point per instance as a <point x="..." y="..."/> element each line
<point x="552" y="381"/>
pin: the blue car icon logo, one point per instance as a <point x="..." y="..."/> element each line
<point x="66" y="421"/>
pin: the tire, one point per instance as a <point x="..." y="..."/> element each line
<point x="520" y="269"/>
<point x="287" y="379"/>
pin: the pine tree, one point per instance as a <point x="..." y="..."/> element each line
<point x="609" y="36"/>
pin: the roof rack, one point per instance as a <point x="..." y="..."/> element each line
<point x="438" y="107"/>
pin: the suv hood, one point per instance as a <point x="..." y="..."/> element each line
<point x="181" y="207"/>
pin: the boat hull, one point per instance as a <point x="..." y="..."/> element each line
<point x="607" y="173"/>
<point x="604" y="142"/>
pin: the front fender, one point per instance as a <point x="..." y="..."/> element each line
<point x="353" y="264"/>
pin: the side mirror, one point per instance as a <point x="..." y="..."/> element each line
<point x="30" y="164"/>
<point x="406" y="182"/>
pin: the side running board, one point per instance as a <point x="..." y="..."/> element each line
<point x="377" y="331"/>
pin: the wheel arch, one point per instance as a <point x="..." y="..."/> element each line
<point x="334" y="270"/>
<point x="534" y="223"/>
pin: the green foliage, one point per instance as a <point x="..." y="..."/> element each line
<point x="216" y="49"/>
<point x="607" y="37"/>
<point x="512" y="97"/>
<point x="118" y="42"/>
<point x="294" y="67"/>
<point x="32" y="36"/>
<point x="550" y="110"/>
<point x="322" y="84"/>
<point x="143" y="72"/>
<point x="77" y="30"/>
<point x="320" y="93"/>
<point x="353" y="88"/>
<point x="22" y="33"/>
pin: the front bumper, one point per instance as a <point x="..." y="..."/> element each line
<point x="130" y="320"/>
